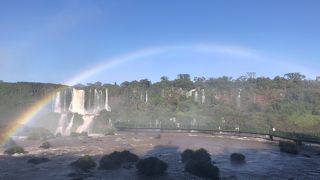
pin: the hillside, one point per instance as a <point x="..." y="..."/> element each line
<point x="288" y="103"/>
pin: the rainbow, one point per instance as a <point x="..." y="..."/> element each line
<point x="34" y="109"/>
<point x="31" y="112"/>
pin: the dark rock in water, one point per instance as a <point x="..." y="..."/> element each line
<point x="15" y="150"/>
<point x="306" y="155"/>
<point x="84" y="163"/>
<point x="202" y="155"/>
<point x="38" y="160"/>
<point x="187" y="155"/>
<point x="288" y="147"/>
<point x="72" y="174"/>
<point x="199" y="155"/>
<point x="204" y="169"/>
<point x="237" y="158"/>
<point x="9" y="143"/>
<point x="151" y="166"/>
<point x="77" y="178"/>
<point x="45" y="145"/>
<point x="116" y="159"/>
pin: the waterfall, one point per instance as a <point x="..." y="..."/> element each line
<point x="101" y="101"/>
<point x="203" y="97"/>
<point x="238" y="99"/>
<point x="146" y="96"/>
<point x="57" y="104"/>
<point x="107" y="107"/>
<point x="87" y="103"/>
<point x="196" y="96"/>
<point x="68" y="129"/>
<point x="64" y="101"/>
<point x="61" y="125"/>
<point x="87" y="121"/>
<point x="78" y="101"/>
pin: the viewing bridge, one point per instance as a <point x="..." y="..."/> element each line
<point x="297" y="137"/>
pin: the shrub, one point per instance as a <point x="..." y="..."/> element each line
<point x="204" y="169"/>
<point x="116" y="159"/>
<point x="15" y="150"/>
<point x="45" y="145"/>
<point x="84" y="163"/>
<point x="237" y="158"/>
<point x="151" y="166"/>
<point x="288" y="147"/>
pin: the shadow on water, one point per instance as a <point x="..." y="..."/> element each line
<point x="261" y="163"/>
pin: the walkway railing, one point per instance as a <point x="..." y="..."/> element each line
<point x="298" y="137"/>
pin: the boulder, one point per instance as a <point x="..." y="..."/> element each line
<point x="237" y="158"/>
<point x="45" y="145"/>
<point x="288" y="147"/>
<point x="151" y="166"/>
<point x="203" y="169"/>
<point x="116" y="159"/>
<point x="15" y="150"/>
<point x="84" y="163"/>
<point x="200" y="154"/>
<point x="38" y="160"/>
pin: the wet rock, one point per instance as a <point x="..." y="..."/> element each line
<point x="84" y="163"/>
<point x="151" y="166"/>
<point x="306" y="155"/>
<point x="187" y="155"/>
<point x="15" y="150"/>
<point x="45" y="145"/>
<point x="116" y="159"/>
<point x="288" y="147"/>
<point x="204" y="169"/>
<point x="200" y="155"/>
<point x="38" y="160"/>
<point x="237" y="158"/>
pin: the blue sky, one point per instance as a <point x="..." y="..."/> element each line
<point x="55" y="41"/>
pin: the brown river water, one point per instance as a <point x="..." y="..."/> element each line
<point x="263" y="158"/>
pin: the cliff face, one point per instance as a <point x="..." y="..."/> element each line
<point x="234" y="106"/>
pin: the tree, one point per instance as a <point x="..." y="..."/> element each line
<point x="164" y="79"/>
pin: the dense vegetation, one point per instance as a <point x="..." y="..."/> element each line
<point x="287" y="103"/>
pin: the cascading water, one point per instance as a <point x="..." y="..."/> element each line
<point x="61" y="126"/>
<point x="68" y="129"/>
<point x="87" y="121"/>
<point x="57" y="104"/>
<point x="238" y="99"/>
<point x="203" y="97"/>
<point x="78" y="101"/>
<point x="107" y="107"/>
<point x="146" y="96"/>
<point x="87" y="103"/>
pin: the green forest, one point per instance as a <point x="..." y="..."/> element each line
<point x="289" y="103"/>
